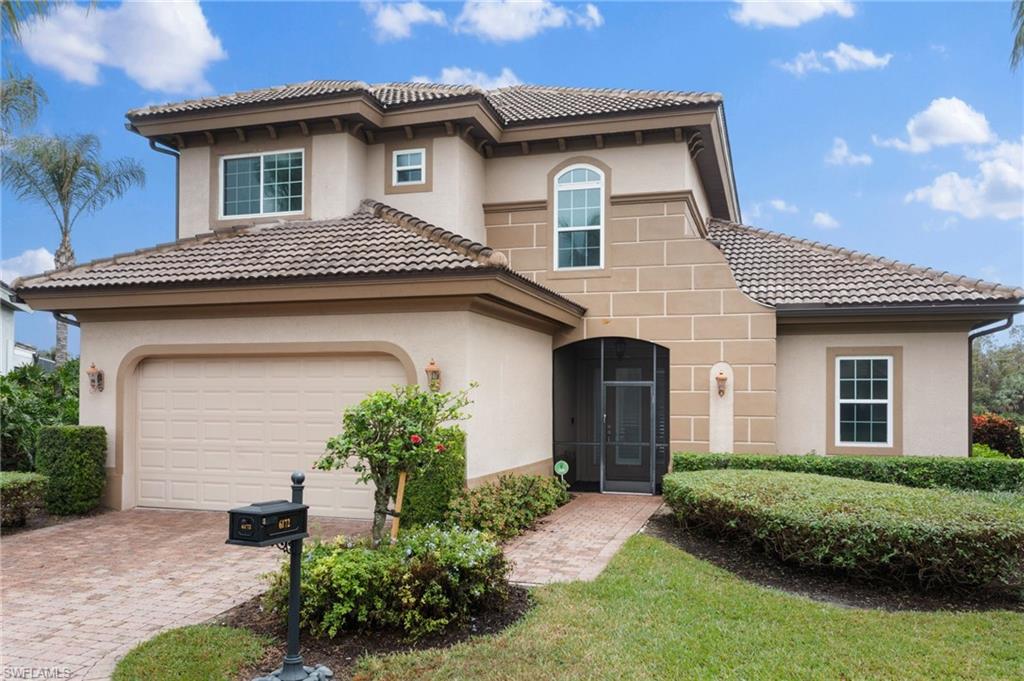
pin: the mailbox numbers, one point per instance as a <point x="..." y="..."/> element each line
<point x="245" y="526"/>
<point x="284" y="523"/>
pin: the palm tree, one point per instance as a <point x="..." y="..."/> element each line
<point x="66" y="174"/>
<point x="20" y="98"/>
<point x="14" y="14"/>
<point x="1018" y="39"/>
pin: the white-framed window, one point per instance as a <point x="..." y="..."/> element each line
<point x="261" y="184"/>
<point x="408" y="166"/>
<point x="864" y="409"/>
<point x="579" y="218"/>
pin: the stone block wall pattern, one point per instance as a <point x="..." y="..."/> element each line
<point x="662" y="282"/>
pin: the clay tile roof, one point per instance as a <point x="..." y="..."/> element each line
<point x="513" y="104"/>
<point x="376" y="240"/>
<point x="780" y="270"/>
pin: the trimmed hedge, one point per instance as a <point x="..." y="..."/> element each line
<point x="927" y="536"/>
<point x="977" y="474"/>
<point x="427" y="580"/>
<point x="20" y="494"/>
<point x="428" y="493"/>
<point x="73" y="458"/>
<point x="508" y="507"/>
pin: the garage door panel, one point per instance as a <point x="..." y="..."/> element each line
<point x="221" y="432"/>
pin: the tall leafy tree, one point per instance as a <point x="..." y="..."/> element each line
<point x="67" y="174"/>
<point x="1018" y="34"/>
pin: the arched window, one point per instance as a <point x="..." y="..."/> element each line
<point x="579" y="217"/>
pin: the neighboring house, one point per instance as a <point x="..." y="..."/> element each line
<point x="576" y="252"/>
<point x="12" y="353"/>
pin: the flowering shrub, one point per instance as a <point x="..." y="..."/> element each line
<point x="1001" y="434"/>
<point x="392" y="431"/>
<point x="426" y="581"/>
<point x="430" y="489"/>
<point x="508" y="507"/>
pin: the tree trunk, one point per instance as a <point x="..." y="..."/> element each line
<point x="381" y="498"/>
<point x="63" y="259"/>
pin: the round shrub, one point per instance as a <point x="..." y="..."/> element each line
<point x="999" y="433"/>
<point x="429" y="490"/>
<point x="874" y="530"/>
<point x="73" y="458"/>
<point x="20" y="494"/>
<point x="426" y="581"/>
<point x="508" y="507"/>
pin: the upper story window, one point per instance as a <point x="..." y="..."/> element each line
<point x="262" y="184"/>
<point x="579" y="217"/>
<point x="864" y="401"/>
<point x="408" y="167"/>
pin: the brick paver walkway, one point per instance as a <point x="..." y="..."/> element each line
<point x="578" y="540"/>
<point x="77" y="596"/>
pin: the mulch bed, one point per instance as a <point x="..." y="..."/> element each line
<point x="340" y="654"/>
<point x="755" y="566"/>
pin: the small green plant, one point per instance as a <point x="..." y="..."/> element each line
<point x="425" y="582"/>
<point x="73" y="458"/>
<point x="508" y="507"/>
<point x="30" y="399"/>
<point x="979" y="451"/>
<point x="392" y="431"/>
<point x="974" y="474"/>
<point x="931" y="537"/>
<point x="430" y="490"/>
<point x="20" y="494"/>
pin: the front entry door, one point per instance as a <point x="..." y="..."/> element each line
<point x="628" y="458"/>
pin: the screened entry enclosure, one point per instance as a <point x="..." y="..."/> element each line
<point x="611" y="414"/>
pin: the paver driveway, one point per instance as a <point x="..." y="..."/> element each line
<point x="76" y="597"/>
<point x="578" y="540"/>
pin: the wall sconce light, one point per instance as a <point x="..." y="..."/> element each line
<point x="95" y="378"/>
<point x="721" y="379"/>
<point x="433" y="376"/>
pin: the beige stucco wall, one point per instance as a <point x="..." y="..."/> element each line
<point x="934" y="389"/>
<point x="506" y="431"/>
<point x="639" y="169"/>
<point x="339" y="175"/>
<point x="456" y="202"/>
<point x="193" y="191"/>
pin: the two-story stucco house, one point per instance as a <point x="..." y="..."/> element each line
<point x="578" y="253"/>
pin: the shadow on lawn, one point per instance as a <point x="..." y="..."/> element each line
<point x="755" y="566"/>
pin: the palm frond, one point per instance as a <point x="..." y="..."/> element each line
<point x="1017" y="54"/>
<point x="20" y="100"/>
<point x="14" y="14"/>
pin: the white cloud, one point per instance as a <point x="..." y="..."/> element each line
<point x="394" y="20"/>
<point x="163" y="46"/>
<point x="509" y="20"/>
<point x="783" y="207"/>
<point x="459" y="75"/>
<point x="947" y="120"/>
<point x="762" y="14"/>
<point x="844" y="57"/>
<point x="32" y="261"/>
<point x="840" y="155"/>
<point x="825" y="221"/>
<point x="996" y="190"/>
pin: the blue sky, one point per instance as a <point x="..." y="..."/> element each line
<point x="928" y="116"/>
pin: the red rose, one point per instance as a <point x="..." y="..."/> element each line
<point x="415" y="439"/>
<point x="440" y="447"/>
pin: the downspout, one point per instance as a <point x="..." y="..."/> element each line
<point x="1002" y="326"/>
<point x="177" y="175"/>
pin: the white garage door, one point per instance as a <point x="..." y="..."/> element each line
<point x="215" y="433"/>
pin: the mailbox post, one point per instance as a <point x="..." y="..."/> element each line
<point x="283" y="524"/>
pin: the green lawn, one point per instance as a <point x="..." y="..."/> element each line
<point x="659" y="613"/>
<point x="198" y="653"/>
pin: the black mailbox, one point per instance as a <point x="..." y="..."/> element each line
<point x="267" y="522"/>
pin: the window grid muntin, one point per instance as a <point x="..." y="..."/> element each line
<point x="863" y="414"/>
<point x="579" y="226"/>
<point x="260" y="191"/>
<point x="405" y="171"/>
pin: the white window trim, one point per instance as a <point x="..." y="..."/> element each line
<point x="260" y="155"/>
<point x="422" y="167"/>
<point x="600" y="185"/>
<point x="888" y="401"/>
